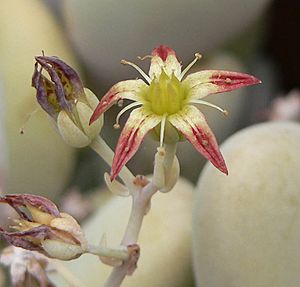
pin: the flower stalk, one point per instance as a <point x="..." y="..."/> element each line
<point x="120" y="253"/>
<point x="105" y="152"/>
<point x="141" y="199"/>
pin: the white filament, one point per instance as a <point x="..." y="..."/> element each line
<point x="209" y="105"/>
<point x="190" y="65"/>
<point x="125" y="109"/>
<point x="162" y="130"/>
<point x="146" y="77"/>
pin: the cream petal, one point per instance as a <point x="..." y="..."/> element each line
<point x="208" y="82"/>
<point x="164" y="57"/>
<point x="136" y="127"/>
<point x="201" y="91"/>
<point x="123" y="90"/>
<point x="192" y="124"/>
<point x="172" y="66"/>
<point x="156" y="66"/>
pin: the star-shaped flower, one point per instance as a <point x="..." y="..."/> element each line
<point x="166" y="103"/>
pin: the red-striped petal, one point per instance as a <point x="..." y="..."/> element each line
<point x="123" y="90"/>
<point x="192" y="124"/>
<point x="132" y="135"/>
<point x="208" y="82"/>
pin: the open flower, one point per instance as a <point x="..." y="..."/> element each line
<point x="65" y="99"/>
<point x="165" y="102"/>
<point x="41" y="227"/>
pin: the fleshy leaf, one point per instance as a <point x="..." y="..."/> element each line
<point x="137" y="126"/>
<point x="192" y="124"/>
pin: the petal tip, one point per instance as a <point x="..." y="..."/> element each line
<point x="163" y="52"/>
<point x="228" y="81"/>
<point x="96" y="114"/>
<point x="252" y="80"/>
<point x="221" y="165"/>
<point x="113" y="176"/>
<point x="92" y="119"/>
<point x="224" y="170"/>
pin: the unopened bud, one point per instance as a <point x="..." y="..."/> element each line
<point x="65" y="99"/>
<point x="43" y="228"/>
<point x="70" y="132"/>
<point x="61" y="250"/>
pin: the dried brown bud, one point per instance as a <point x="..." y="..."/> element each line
<point x="41" y="227"/>
<point x="27" y="268"/>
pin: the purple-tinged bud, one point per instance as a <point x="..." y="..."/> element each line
<point x="41" y="227"/>
<point x="64" y="98"/>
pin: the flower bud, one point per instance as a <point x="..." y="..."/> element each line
<point x="70" y="132"/>
<point x="66" y="100"/>
<point x="43" y="228"/>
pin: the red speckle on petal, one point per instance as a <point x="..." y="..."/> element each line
<point x="106" y="102"/>
<point x="227" y="81"/>
<point x="127" y="146"/>
<point x="132" y="135"/>
<point x="163" y="52"/>
<point x="192" y="124"/>
<point x="206" y="144"/>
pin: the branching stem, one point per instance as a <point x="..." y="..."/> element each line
<point x="141" y="198"/>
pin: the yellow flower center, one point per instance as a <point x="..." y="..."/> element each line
<point x="165" y="95"/>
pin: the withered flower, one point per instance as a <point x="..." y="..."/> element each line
<point x="27" y="268"/>
<point x="41" y="227"/>
<point x="64" y="98"/>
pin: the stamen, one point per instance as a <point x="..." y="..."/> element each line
<point x="145" y="57"/>
<point x="198" y="56"/>
<point x="210" y="105"/>
<point x="128" y="107"/>
<point x="162" y="130"/>
<point x="146" y="77"/>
